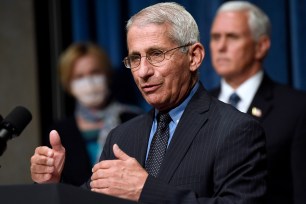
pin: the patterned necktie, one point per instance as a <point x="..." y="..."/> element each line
<point x="158" y="145"/>
<point x="234" y="99"/>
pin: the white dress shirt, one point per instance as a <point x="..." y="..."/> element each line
<point x="246" y="91"/>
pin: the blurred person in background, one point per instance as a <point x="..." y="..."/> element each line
<point x="85" y="73"/>
<point x="240" y="40"/>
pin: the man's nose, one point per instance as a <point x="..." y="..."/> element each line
<point x="222" y="44"/>
<point x="145" y="69"/>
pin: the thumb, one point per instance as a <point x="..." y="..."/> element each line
<point x="119" y="154"/>
<point x="55" y="141"/>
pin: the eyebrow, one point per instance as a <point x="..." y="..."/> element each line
<point x="226" y="34"/>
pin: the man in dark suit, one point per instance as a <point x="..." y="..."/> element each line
<point x="190" y="148"/>
<point x="240" y="39"/>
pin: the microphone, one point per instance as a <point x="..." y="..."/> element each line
<point x="13" y="125"/>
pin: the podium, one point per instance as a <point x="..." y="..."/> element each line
<point x="54" y="194"/>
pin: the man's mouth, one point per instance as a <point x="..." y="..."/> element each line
<point x="147" y="88"/>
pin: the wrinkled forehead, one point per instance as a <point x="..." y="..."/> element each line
<point x="149" y="25"/>
<point x="156" y="35"/>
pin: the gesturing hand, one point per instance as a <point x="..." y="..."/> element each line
<point x="47" y="164"/>
<point x="123" y="177"/>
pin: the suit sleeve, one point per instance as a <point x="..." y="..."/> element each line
<point x="239" y="171"/>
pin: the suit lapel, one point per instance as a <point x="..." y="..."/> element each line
<point x="262" y="101"/>
<point x="191" y="121"/>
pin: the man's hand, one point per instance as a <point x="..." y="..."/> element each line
<point x="47" y="164"/>
<point x="122" y="178"/>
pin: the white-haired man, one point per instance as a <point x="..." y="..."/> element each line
<point x="240" y="40"/>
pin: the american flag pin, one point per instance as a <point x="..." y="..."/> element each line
<point x="256" y="112"/>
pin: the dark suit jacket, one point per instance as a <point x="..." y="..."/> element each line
<point x="284" y="120"/>
<point x="216" y="155"/>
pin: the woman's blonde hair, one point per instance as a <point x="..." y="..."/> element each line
<point x="76" y="51"/>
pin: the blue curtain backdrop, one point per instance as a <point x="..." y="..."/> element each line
<point x="103" y="22"/>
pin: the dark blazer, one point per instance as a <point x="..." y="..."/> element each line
<point x="283" y="116"/>
<point x="216" y="155"/>
<point x="77" y="168"/>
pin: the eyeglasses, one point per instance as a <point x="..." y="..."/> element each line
<point x="154" y="57"/>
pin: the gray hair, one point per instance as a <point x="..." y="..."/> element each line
<point x="259" y="22"/>
<point x="183" y="28"/>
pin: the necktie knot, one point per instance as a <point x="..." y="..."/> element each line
<point x="163" y="119"/>
<point x="234" y="99"/>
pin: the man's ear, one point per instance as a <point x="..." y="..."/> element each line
<point x="262" y="47"/>
<point x="196" y="54"/>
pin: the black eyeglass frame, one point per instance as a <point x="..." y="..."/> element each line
<point x="126" y="60"/>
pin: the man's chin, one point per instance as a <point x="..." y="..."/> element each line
<point x="153" y="100"/>
<point x="223" y="71"/>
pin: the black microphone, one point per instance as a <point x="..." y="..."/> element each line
<point x="13" y="125"/>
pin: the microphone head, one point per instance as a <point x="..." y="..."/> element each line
<point x="17" y="120"/>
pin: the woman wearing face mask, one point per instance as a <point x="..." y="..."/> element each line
<point x="85" y="72"/>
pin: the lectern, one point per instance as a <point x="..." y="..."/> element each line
<point x="54" y="194"/>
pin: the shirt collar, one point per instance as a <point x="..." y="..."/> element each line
<point x="246" y="91"/>
<point x="178" y="111"/>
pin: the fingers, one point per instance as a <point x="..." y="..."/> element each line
<point x="46" y="151"/>
<point x="55" y="141"/>
<point x="100" y="183"/>
<point x="41" y="158"/>
<point x="41" y="169"/>
<point x="119" y="153"/>
<point x="41" y="178"/>
<point x="42" y="166"/>
<point x="100" y="180"/>
<point x="103" y="173"/>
